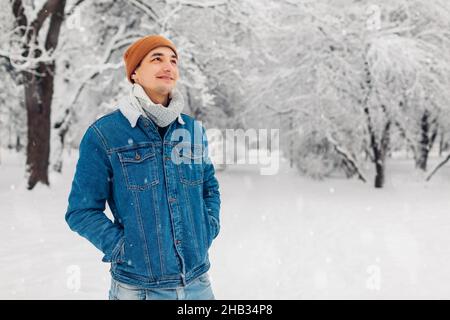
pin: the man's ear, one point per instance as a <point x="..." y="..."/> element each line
<point x="134" y="78"/>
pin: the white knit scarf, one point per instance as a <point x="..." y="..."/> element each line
<point x="161" y="115"/>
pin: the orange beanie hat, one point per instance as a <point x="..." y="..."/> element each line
<point x="139" y="49"/>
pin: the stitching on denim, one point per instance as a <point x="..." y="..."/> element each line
<point x="125" y="173"/>
<point x="206" y="230"/>
<point x="135" y="146"/>
<point x="141" y="227"/>
<point x="100" y="135"/>
<point x="103" y="140"/>
<point x="157" y="220"/>
<point x="187" y="199"/>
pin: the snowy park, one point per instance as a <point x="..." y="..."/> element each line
<point x="328" y="125"/>
<point x="283" y="237"/>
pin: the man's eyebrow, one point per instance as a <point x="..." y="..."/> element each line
<point x="159" y="54"/>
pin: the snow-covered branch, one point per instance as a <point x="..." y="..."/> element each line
<point x="149" y="11"/>
<point x="202" y="4"/>
<point x="347" y="157"/>
<point x="72" y="9"/>
<point x="439" y="166"/>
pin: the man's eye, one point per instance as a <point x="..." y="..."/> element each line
<point x="174" y="61"/>
<point x="157" y="58"/>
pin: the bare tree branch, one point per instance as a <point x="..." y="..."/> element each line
<point x="19" y="14"/>
<point x="72" y="10"/>
<point x="47" y="9"/>
<point x="147" y="9"/>
<point x="346" y="155"/>
<point x="57" y="17"/>
<point x="440" y="165"/>
<point x="202" y="4"/>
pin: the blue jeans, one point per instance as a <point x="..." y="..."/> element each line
<point x="198" y="289"/>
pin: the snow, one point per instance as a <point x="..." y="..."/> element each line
<point x="282" y="237"/>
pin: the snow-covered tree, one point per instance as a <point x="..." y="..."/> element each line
<point x="30" y="49"/>
<point x="343" y="74"/>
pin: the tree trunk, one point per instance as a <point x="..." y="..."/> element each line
<point x="291" y="143"/>
<point x="422" y="157"/>
<point x="380" y="150"/>
<point x="379" y="177"/>
<point x="426" y="141"/>
<point x="441" y="143"/>
<point x="57" y="166"/>
<point x="380" y="163"/>
<point x="18" y="143"/>
<point x="38" y="100"/>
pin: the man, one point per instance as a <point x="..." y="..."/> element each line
<point x="150" y="163"/>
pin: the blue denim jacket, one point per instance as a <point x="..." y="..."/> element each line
<point x="163" y="194"/>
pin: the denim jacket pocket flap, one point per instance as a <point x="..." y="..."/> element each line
<point x="136" y="155"/>
<point x="139" y="167"/>
<point x="189" y="151"/>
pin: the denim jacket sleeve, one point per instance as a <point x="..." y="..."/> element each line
<point x="90" y="191"/>
<point x="211" y="194"/>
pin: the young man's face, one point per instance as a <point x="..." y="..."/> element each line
<point x="158" y="71"/>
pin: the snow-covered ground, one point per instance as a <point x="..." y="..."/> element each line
<point x="282" y="237"/>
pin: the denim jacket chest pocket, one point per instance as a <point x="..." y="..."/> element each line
<point x="139" y="167"/>
<point x="190" y="165"/>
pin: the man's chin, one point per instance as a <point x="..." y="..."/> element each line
<point x="164" y="89"/>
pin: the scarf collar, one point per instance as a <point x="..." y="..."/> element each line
<point x="137" y="104"/>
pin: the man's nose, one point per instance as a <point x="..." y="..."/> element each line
<point x="168" y="66"/>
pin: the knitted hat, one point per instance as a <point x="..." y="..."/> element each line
<point x="139" y="49"/>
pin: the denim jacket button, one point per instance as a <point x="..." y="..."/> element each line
<point x="178" y="241"/>
<point x="137" y="156"/>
